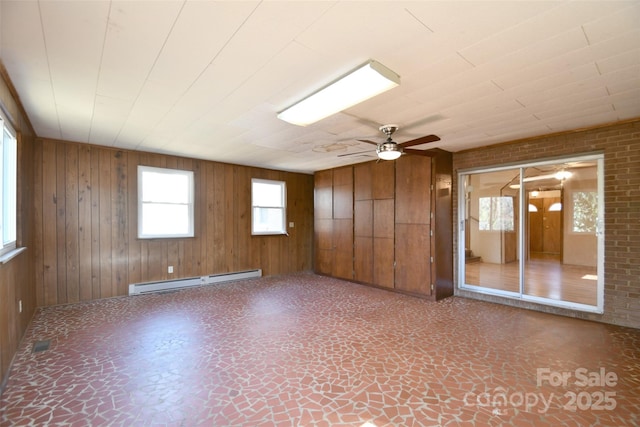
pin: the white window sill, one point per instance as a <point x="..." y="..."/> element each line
<point x="5" y="258"/>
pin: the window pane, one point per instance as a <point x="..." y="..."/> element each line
<point x="585" y="211"/>
<point x="496" y="213"/>
<point x="268" y="220"/>
<point x="8" y="188"/>
<point x="165" y="187"/>
<point x="504" y="217"/>
<point x="490" y="240"/>
<point x="484" y="214"/>
<point x="162" y="219"/>
<point x="267" y="195"/>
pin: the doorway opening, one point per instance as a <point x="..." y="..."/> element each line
<point x="535" y="232"/>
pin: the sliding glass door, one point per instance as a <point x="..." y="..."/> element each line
<point x="534" y="232"/>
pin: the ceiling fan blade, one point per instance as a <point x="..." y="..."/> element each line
<point x="353" y="154"/>
<point x="368" y="142"/>
<point x="419" y="152"/>
<point x="418" y="141"/>
<point x="423" y="121"/>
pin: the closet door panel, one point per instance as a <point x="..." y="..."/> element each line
<point x="413" y="253"/>
<point x="413" y="195"/>
<point x="383" y="255"/>
<point x="363" y="259"/>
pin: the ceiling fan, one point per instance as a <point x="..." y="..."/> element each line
<point x="391" y="150"/>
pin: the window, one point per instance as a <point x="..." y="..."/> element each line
<point x="585" y="211"/>
<point x="268" y="207"/>
<point x="8" y="187"/>
<point x="496" y="213"/>
<point x="165" y="203"/>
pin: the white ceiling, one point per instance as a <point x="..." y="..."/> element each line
<point x="205" y="79"/>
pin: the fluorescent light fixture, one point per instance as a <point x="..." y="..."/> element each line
<point x="360" y="84"/>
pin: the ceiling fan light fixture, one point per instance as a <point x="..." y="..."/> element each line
<point x="364" y="82"/>
<point x="388" y="151"/>
<point x="562" y="175"/>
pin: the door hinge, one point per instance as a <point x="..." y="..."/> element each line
<point x="431" y="233"/>
<point x="432" y="287"/>
<point x="431" y="260"/>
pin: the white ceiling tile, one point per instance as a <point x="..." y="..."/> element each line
<point x="627" y="108"/>
<point x="587" y="107"/>
<point x="199" y="34"/>
<point x="621" y="86"/>
<point x="565" y="123"/>
<point x="125" y="43"/>
<point x="461" y="24"/>
<point x="618" y="62"/>
<point x="624" y="18"/>
<point x="206" y="79"/>
<point x="623" y="43"/>
<point x="537" y="29"/>
<point x="584" y="79"/>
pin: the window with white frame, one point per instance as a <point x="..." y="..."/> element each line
<point x="268" y="207"/>
<point x="585" y="211"/>
<point x="8" y="186"/>
<point x="496" y="214"/>
<point x="165" y="203"/>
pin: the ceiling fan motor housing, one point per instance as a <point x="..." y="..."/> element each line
<point x="388" y="130"/>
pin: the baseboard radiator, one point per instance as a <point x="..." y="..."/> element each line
<point x="170" y="285"/>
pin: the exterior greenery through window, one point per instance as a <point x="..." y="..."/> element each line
<point x="585" y="211"/>
<point x="496" y="214"/>
<point x="165" y="203"/>
<point x="8" y="187"/>
<point x="268" y="207"/>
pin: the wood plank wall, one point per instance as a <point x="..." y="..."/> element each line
<point x="16" y="276"/>
<point x="86" y="219"/>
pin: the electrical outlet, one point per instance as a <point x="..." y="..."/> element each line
<point x="291" y="224"/>
<point x="170" y="269"/>
<point x="20" y="306"/>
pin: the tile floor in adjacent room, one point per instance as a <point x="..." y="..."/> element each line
<point x="306" y="350"/>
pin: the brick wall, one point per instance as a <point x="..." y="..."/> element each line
<point x="621" y="147"/>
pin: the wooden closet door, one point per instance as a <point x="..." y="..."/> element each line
<point x="383" y="178"/>
<point x="413" y="190"/>
<point x="343" y="223"/>
<point x="413" y="253"/>
<point x="412" y="225"/>
<point x="363" y="241"/>
<point x="383" y="242"/>
<point x="323" y="222"/>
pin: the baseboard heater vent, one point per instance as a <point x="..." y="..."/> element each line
<point x="169" y="285"/>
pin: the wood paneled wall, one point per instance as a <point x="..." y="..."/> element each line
<point x="86" y="218"/>
<point x="16" y="276"/>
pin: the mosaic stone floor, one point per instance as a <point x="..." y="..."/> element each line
<point x="305" y="350"/>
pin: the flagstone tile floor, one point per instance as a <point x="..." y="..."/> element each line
<point x="306" y="350"/>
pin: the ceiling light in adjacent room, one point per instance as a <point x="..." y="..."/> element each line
<point x="359" y="85"/>
<point x="562" y="175"/>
